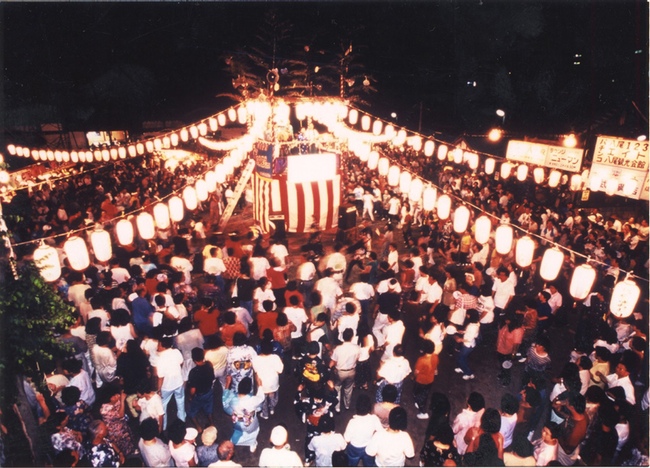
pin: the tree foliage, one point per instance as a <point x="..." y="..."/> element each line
<point x="31" y="311"/>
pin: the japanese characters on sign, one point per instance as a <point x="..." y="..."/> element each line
<point x="625" y="161"/>
<point x="538" y="154"/>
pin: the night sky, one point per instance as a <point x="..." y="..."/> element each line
<point x="116" y="64"/>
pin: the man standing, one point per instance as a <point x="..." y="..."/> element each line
<point x="170" y="377"/>
<point x="199" y="386"/>
<point x="344" y="360"/>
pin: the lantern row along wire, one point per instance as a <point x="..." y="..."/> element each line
<point x="588" y="259"/>
<point x="130" y="214"/>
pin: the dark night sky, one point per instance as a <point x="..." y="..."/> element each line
<point x="422" y="54"/>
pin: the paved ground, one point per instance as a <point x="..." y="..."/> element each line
<point x="483" y="361"/>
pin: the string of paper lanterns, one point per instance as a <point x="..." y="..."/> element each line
<point x="583" y="277"/>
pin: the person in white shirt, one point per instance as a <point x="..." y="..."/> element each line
<point x="620" y="378"/>
<point x="467" y="418"/>
<point x="555" y="300"/>
<point x="392" y="446"/>
<point x="297" y="316"/>
<point x="344" y="361"/>
<point x="329" y="289"/>
<point x="393" y="371"/>
<point x="502" y="290"/>
<point x="509" y="409"/>
<point x="434" y="294"/>
<point x="327" y="442"/>
<point x="155" y="452"/>
<point x="393" y="334"/>
<point x="182" y="264"/>
<point x="170" y="377"/>
<point x="279" y="251"/>
<point x="359" y="432"/>
<point x="280" y="454"/>
<point x="268" y="367"/>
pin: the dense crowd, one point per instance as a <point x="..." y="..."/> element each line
<point x="174" y="331"/>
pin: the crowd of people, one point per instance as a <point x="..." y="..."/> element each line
<point x="191" y="325"/>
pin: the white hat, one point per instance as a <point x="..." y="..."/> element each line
<point x="279" y="436"/>
<point x="209" y="435"/>
<point x="191" y="433"/>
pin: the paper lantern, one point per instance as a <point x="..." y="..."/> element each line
<point x="194" y="132"/>
<point x="400" y="138"/>
<point x="50" y="155"/>
<point x="59" y="158"/>
<point x="185" y="135"/>
<point x="190" y="198"/>
<point x="211" y="181"/>
<point x="429" y="198"/>
<point x="389" y="131"/>
<point x="101" y="242"/>
<point x="611" y="186"/>
<point x="506" y="169"/>
<point x="132" y="151"/>
<point x="472" y="161"/>
<point x="176" y="209"/>
<point x="429" y="147"/>
<point x="77" y="252"/>
<point x="595" y="181"/>
<point x="161" y="216"/>
<point x="382" y="166"/>
<point x="554" y="178"/>
<point x="442" y="152"/>
<point x="166" y="141"/>
<point x="121" y="152"/>
<point x="373" y="160"/>
<point x="139" y="148"/>
<point x="522" y="172"/>
<point x="415" y="190"/>
<point x="524" y="251"/>
<point x="232" y="114"/>
<point x="624" y="298"/>
<point x="146" y="226"/>
<point x="551" y="264"/>
<point x="353" y="116"/>
<point x="393" y="176"/>
<point x="46" y="259"/>
<point x="490" y="165"/>
<point x="458" y="155"/>
<point x="213" y="124"/>
<point x="538" y="175"/>
<point x="11" y="149"/>
<point x="461" y="219"/>
<point x="444" y="206"/>
<point x="582" y="280"/>
<point x="363" y="152"/>
<point x="241" y="115"/>
<point x="97" y="154"/>
<point x="149" y="146"/>
<point x="365" y="123"/>
<point x="74" y="156"/>
<point x="66" y="156"/>
<point x="157" y="144"/>
<point x="174" y="139"/>
<point x="220" y="173"/>
<point x="629" y="187"/>
<point x="416" y="143"/>
<point x="405" y="181"/>
<point x="482" y="229"/>
<point x="201" y="190"/>
<point x="503" y="237"/>
<point x="124" y="232"/>
<point x="221" y="118"/>
<point x="576" y="182"/>
<point x="377" y="127"/>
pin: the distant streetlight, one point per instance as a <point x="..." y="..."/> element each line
<point x="570" y="141"/>
<point x="393" y="115"/>
<point x="494" y="135"/>
<point x="501" y="113"/>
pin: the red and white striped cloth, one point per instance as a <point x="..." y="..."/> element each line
<point x="304" y="206"/>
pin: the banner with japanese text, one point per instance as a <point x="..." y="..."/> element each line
<point x="539" y="154"/>
<point x="625" y="161"/>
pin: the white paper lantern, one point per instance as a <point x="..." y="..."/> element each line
<point x="146" y="225"/>
<point x="551" y="264"/>
<point x="194" y="132"/>
<point x="490" y="165"/>
<point x="377" y="127"/>
<point x="429" y="147"/>
<point x="582" y="280"/>
<point x="482" y="229"/>
<point x="629" y="187"/>
<point x="363" y="152"/>
<point x="503" y="238"/>
<point x="157" y="144"/>
<point x="522" y="172"/>
<point x="365" y="123"/>
<point x="554" y="178"/>
<point x="101" y="242"/>
<point x="211" y="181"/>
<point x="457" y="154"/>
<point x="383" y="165"/>
<point x="506" y="169"/>
<point x="176" y="209"/>
<point x="373" y="160"/>
<point x="139" y="148"/>
<point x="472" y="161"/>
<point x="624" y="298"/>
<point x="353" y="116"/>
<point x="174" y="139"/>
<point x="524" y="251"/>
<point x="393" y="176"/>
<point x="415" y="190"/>
<point x="242" y="115"/>
<point x="611" y="186"/>
<point x="232" y="114"/>
<point x="77" y="252"/>
<point x="149" y="146"/>
<point x="220" y="173"/>
<point x="190" y="198"/>
<point x="124" y="232"/>
<point x="46" y="259"/>
<point x="221" y="118"/>
<point x="442" y="152"/>
<point x="213" y="124"/>
<point x="595" y="181"/>
<point x="461" y="219"/>
<point x="444" y="206"/>
<point x="201" y="190"/>
<point x="576" y="182"/>
<point x="161" y="216"/>
<point x="429" y="198"/>
<point x="405" y="181"/>
<point x="538" y="175"/>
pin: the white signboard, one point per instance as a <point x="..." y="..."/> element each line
<point x="625" y="161"/>
<point x="538" y="154"/>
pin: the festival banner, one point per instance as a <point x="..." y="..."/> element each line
<point x="625" y="161"/>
